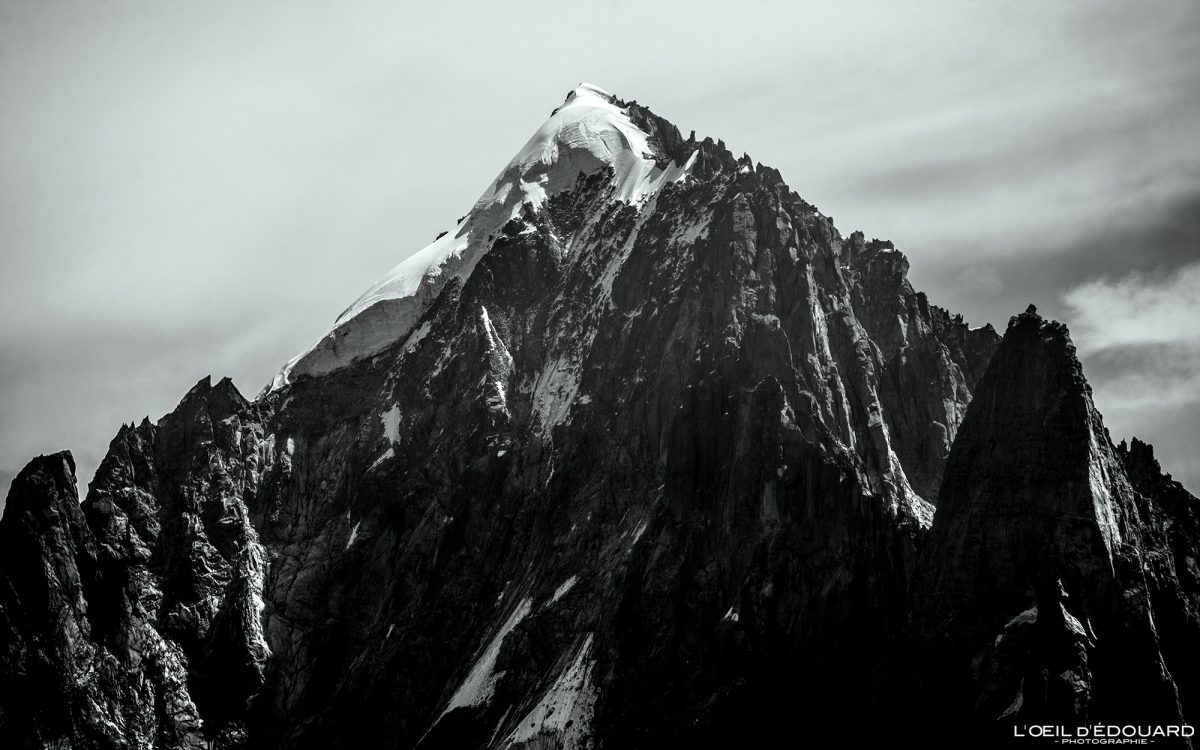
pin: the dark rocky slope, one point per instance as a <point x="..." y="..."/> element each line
<point x="652" y="475"/>
<point x="1058" y="583"/>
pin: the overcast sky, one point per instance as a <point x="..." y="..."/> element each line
<point x="201" y="187"/>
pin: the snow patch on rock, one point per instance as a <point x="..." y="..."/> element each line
<point x="564" y="588"/>
<point x="391" y="423"/>
<point x="387" y="454"/>
<point x="500" y="362"/>
<point x="479" y="686"/>
<point x="563" y="717"/>
<point x="353" y="535"/>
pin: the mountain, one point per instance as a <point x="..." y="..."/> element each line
<point x="642" y="452"/>
<point x="1059" y="581"/>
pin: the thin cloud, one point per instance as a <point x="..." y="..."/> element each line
<point x="1136" y="310"/>
<point x="1147" y="376"/>
<point x="1139" y="338"/>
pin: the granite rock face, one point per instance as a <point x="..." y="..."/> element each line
<point x="1058" y="583"/>
<point x="151" y="589"/>
<point x="658" y="473"/>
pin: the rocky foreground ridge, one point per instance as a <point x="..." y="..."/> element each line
<point x="675" y="465"/>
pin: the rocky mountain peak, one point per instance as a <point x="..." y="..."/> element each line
<point x="591" y="132"/>
<point x="1030" y="589"/>
<point x="643" y="452"/>
<point x="47" y="555"/>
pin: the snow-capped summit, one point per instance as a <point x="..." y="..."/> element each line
<point x="654" y="460"/>
<point x="588" y="133"/>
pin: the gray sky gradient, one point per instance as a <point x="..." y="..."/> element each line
<point x="195" y="188"/>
